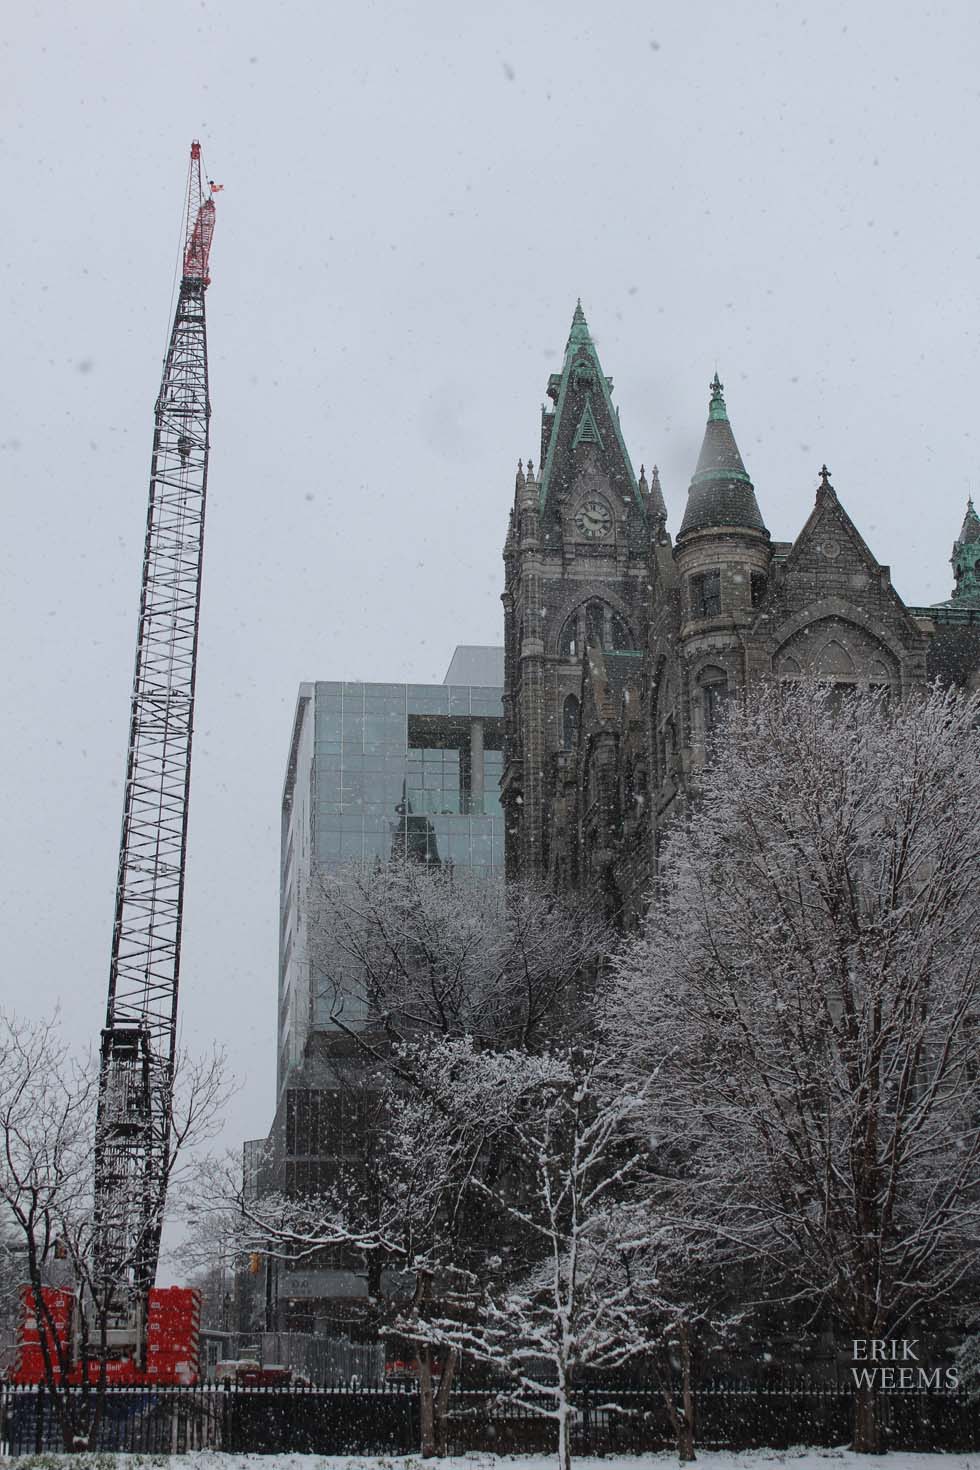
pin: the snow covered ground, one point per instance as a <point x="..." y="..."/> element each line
<point x="793" y="1459"/>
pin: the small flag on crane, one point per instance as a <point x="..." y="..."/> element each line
<point x="215" y="188"/>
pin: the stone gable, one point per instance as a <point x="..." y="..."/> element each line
<point x="623" y="649"/>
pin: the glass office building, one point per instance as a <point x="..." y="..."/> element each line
<point x="383" y="770"/>
<point x="385" y="754"/>
<point x="375" y="771"/>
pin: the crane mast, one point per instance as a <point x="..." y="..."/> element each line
<point x="133" y="1134"/>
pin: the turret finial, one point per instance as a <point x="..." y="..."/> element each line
<point x="530" y="468"/>
<point x="716" y="408"/>
<point x="520" y="475"/>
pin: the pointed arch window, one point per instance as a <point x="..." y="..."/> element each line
<point x="833" y="659"/>
<point x="568" y="640"/>
<point x="571" y="719"/>
<point x="596" y="620"/>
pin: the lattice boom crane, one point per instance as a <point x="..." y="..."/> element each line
<point x="138" y="1041"/>
<point x="152" y="1332"/>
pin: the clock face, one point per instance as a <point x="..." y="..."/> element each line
<point x="594" y="519"/>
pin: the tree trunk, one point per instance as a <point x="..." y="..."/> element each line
<point x="442" y="1403"/>
<point x="685" y="1435"/>
<point x="426" y="1405"/>
<point x="867" y="1437"/>
<point x="564" y="1422"/>
<point x="681" y="1419"/>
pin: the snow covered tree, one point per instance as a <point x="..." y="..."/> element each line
<point x="48" y="1104"/>
<point x="408" y="955"/>
<point x="557" y="1299"/>
<point x="807" y="985"/>
<point x="416" y="961"/>
<point x="408" y="1224"/>
<point x="967" y="1361"/>
<point x="678" y="1289"/>
<point x="450" y="1141"/>
<point x="405" y="950"/>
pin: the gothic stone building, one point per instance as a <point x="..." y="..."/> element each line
<point x="622" y="645"/>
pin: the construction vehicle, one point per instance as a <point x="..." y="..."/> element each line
<point x="250" y="1373"/>
<point x="152" y="1332"/>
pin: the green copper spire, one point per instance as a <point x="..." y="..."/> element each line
<point x="965" y="560"/>
<point x="580" y="327"/>
<point x="583" y="413"/>
<point x="721" y="493"/>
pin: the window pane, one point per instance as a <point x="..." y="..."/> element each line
<point x="705" y="592"/>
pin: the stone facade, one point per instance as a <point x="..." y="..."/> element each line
<point x="623" y="647"/>
<point x="577" y="571"/>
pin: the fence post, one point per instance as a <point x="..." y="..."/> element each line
<point x="39" y="1420"/>
<point x="225" y="1417"/>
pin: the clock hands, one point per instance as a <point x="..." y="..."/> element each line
<point x="593" y="519"/>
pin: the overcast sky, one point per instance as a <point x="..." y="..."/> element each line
<point x="415" y="194"/>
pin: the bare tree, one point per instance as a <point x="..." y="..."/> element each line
<point x="808" y="986"/>
<point x="11" y="1280"/>
<point x="48" y="1105"/>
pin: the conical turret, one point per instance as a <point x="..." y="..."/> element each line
<point x="721" y="493"/>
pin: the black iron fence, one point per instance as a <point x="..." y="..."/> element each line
<point x="359" y="1421"/>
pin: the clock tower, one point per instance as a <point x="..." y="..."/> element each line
<point x="576" y="574"/>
